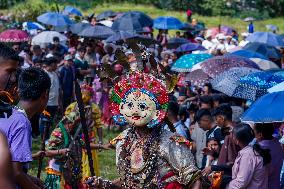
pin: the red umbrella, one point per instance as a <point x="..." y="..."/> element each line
<point x="14" y="36"/>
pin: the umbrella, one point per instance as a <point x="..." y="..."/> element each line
<point x="188" y="47"/>
<point x="277" y="88"/>
<point x="264" y="49"/>
<point x="265" y="64"/>
<point x="267" y="38"/>
<point x="197" y="78"/>
<point x="168" y="23"/>
<point x="63" y="28"/>
<point x="219" y="64"/>
<point x="14" y="36"/>
<point x="33" y="26"/>
<point x="54" y="19"/>
<point x="187" y="26"/>
<point x="72" y="10"/>
<point x="185" y="63"/>
<point x="256" y="85"/>
<point x="248" y="54"/>
<point x="249" y="19"/>
<point x="147" y="41"/>
<point x="46" y="37"/>
<point x="99" y="32"/>
<point x="105" y="15"/>
<point x="271" y="27"/>
<point x="271" y="103"/>
<point x="132" y="21"/>
<point x="228" y="81"/>
<point x="226" y="30"/>
<point x="78" y="27"/>
<point x="119" y="36"/>
<point x="174" y="43"/>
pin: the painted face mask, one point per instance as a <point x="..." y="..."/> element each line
<point x="139" y="100"/>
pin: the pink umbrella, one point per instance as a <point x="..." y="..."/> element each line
<point x="14" y="36"/>
<point x="226" y="30"/>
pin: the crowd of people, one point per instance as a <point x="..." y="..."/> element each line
<point x="222" y="151"/>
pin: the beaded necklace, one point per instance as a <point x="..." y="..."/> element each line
<point x="146" y="176"/>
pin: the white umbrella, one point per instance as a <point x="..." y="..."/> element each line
<point x="249" y="19"/>
<point x="265" y="64"/>
<point x="277" y="88"/>
<point x="46" y="37"/>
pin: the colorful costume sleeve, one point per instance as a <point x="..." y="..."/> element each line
<point x="56" y="140"/>
<point x="97" y="116"/>
<point x="175" y="149"/>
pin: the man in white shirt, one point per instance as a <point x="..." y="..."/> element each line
<point x="208" y="43"/>
<point x="50" y="66"/>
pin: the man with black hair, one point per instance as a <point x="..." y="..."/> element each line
<point x="50" y="66"/>
<point x="33" y="87"/>
<point x="81" y="65"/>
<point x="223" y="117"/>
<point x="9" y="63"/>
<point x="264" y="137"/>
<point x="206" y="102"/>
<point x="60" y="49"/>
<point x="180" y="128"/>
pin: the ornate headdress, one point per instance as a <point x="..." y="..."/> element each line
<point x="137" y="91"/>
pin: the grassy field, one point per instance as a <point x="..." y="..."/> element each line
<point x="106" y="159"/>
<point x="89" y="7"/>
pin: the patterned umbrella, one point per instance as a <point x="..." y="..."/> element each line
<point x="219" y="64"/>
<point x="255" y="85"/>
<point x="271" y="103"/>
<point x="248" y="54"/>
<point x="197" y="78"/>
<point x="185" y="63"/>
<point x="228" y="81"/>
<point x="265" y="64"/>
<point x="14" y="36"/>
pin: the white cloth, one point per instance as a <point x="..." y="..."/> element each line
<point x="54" y="89"/>
<point x="198" y="135"/>
<point x="207" y="44"/>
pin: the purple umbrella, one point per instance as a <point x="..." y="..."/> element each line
<point x="188" y="47"/>
<point x="197" y="78"/>
<point x="217" y="65"/>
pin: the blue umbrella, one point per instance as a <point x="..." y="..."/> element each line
<point x="267" y="38"/>
<point x="119" y="36"/>
<point x="186" y="62"/>
<point x="266" y="109"/>
<point x="264" y="49"/>
<point x="98" y="32"/>
<point x="105" y="15"/>
<point x="78" y="27"/>
<point x="174" y="43"/>
<point x="54" y="19"/>
<point x="132" y="21"/>
<point x="168" y="23"/>
<point x="33" y="26"/>
<point x="248" y="54"/>
<point x="228" y="81"/>
<point x="190" y="47"/>
<point x="72" y="10"/>
<point x="255" y="85"/>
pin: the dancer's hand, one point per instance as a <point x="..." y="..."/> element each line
<point x="38" y="154"/>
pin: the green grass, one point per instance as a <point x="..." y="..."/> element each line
<point x="89" y="7"/>
<point x="106" y="159"/>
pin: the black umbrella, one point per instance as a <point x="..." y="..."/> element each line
<point x="119" y="36"/>
<point x="106" y="14"/>
<point x="62" y="28"/>
<point x="78" y="27"/>
<point x="174" y="43"/>
<point x="98" y="32"/>
<point x="147" y="41"/>
<point x="132" y="21"/>
<point x="264" y="49"/>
